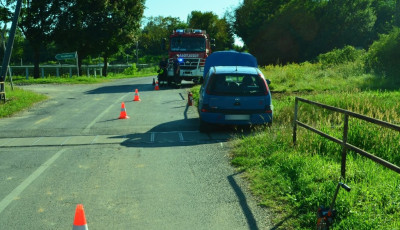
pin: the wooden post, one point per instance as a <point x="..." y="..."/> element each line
<point x="295" y="121"/>
<point x="344" y="148"/>
<point x="27" y="73"/>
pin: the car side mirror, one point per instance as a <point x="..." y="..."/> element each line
<point x="268" y="81"/>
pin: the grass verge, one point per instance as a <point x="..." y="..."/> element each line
<point x="17" y="100"/>
<point x="293" y="181"/>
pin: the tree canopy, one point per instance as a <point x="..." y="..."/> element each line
<point x="299" y="30"/>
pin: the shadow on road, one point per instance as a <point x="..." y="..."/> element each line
<point x="131" y="88"/>
<point x="182" y="132"/>
<point x="251" y="221"/>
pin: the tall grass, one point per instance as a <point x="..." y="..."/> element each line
<point x="295" y="180"/>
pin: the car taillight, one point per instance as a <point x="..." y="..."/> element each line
<point x="266" y="84"/>
<point x="205" y="108"/>
<point x="268" y="109"/>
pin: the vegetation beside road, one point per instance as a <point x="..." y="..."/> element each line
<point x="294" y="181"/>
<point x="18" y="100"/>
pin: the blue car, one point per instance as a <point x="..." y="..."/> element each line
<point x="234" y="91"/>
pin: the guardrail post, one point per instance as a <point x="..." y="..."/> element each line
<point x="27" y="73"/>
<point x="344" y="147"/>
<point x="88" y="72"/>
<point x="70" y="72"/>
<point x="58" y="72"/>
<point x="295" y="121"/>
<point x="94" y="70"/>
<point x="42" y="72"/>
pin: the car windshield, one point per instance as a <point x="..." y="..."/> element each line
<point x="236" y="85"/>
<point x="194" y="44"/>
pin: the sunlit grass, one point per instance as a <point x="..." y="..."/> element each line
<point x="17" y="100"/>
<point x="293" y="181"/>
<point x="303" y="177"/>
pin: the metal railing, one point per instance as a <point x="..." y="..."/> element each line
<point x="69" y="70"/>
<point x="345" y="146"/>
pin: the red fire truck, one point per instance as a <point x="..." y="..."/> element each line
<point x="192" y="47"/>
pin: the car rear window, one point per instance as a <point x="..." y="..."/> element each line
<point x="237" y="85"/>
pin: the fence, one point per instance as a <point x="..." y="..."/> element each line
<point x="345" y="146"/>
<point x="59" y="70"/>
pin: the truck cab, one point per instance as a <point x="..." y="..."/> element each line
<point x="192" y="46"/>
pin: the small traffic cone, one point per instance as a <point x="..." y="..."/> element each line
<point x="156" y="88"/>
<point x="80" y="219"/>
<point x="136" y="98"/>
<point x="154" y="82"/>
<point x="123" y="114"/>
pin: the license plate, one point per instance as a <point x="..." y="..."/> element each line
<point x="240" y="117"/>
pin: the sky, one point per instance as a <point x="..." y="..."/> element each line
<point x="182" y="8"/>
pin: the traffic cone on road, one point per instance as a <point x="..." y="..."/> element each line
<point x="156" y="88"/>
<point x="123" y="114"/>
<point x="80" y="219"/>
<point x="136" y="98"/>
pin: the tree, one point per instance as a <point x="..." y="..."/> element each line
<point x="97" y="27"/>
<point x="37" y="22"/>
<point x="219" y="29"/>
<point x="155" y="30"/>
<point x="299" y="30"/>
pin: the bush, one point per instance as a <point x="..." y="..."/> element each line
<point x="340" y="56"/>
<point x="384" y="55"/>
<point x="131" y="70"/>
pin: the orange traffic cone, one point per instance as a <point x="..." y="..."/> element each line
<point x="156" y="88"/>
<point x="79" y="220"/>
<point x="123" y="114"/>
<point x="136" y="98"/>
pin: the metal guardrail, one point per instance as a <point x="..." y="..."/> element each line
<point x="58" y="70"/>
<point x="343" y="142"/>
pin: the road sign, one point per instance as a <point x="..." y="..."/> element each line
<point x="65" y="56"/>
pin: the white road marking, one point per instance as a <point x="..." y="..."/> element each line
<point x="181" y="137"/>
<point x="66" y="140"/>
<point x="18" y="190"/>
<point x="40" y="138"/>
<point x="11" y="140"/>
<point x="86" y="130"/>
<point x="94" y="140"/>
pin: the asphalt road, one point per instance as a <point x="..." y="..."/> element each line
<point x="151" y="171"/>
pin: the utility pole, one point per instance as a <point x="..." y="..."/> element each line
<point x="7" y="53"/>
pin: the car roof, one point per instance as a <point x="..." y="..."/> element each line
<point x="229" y="58"/>
<point x="234" y="70"/>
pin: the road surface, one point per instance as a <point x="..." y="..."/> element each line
<point x="151" y="171"/>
